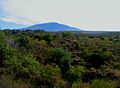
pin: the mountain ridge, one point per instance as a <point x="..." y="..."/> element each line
<point x="51" y="27"/>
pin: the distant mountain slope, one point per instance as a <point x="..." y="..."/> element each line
<point x="52" y="27"/>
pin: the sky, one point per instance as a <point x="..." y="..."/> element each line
<point x="93" y="15"/>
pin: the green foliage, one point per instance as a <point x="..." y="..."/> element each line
<point x="102" y="84"/>
<point x="83" y="59"/>
<point x="9" y="82"/>
<point x="3" y="38"/>
<point x="95" y="60"/>
<point x="108" y="55"/>
<point x="76" y="85"/>
<point x="49" y="77"/>
<point x="28" y="68"/>
<point x="47" y="37"/>
<point x="5" y="53"/>
<point x="60" y="57"/>
<point x="23" y="67"/>
<point x="74" y="74"/>
<point x="116" y="65"/>
<point x="23" y="41"/>
<point x="77" y="45"/>
<point x="39" y="48"/>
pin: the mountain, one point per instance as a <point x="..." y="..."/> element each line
<point x="52" y="27"/>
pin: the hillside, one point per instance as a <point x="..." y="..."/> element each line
<point x="52" y="27"/>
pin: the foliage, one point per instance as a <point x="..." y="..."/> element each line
<point x="75" y="73"/>
<point x="23" y="41"/>
<point x="47" y="37"/>
<point x="22" y="67"/>
<point x="95" y="60"/>
<point x="39" y="59"/>
<point x="49" y="77"/>
<point x="3" y="37"/>
<point x="9" y="82"/>
<point x="60" y="57"/>
<point x="5" y="53"/>
<point x="102" y="84"/>
<point x="116" y="65"/>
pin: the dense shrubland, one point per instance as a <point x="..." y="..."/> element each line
<point x="38" y="59"/>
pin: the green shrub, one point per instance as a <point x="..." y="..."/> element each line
<point x="23" y="67"/>
<point x="9" y="82"/>
<point x="74" y="74"/>
<point x="47" y="37"/>
<point x="80" y="85"/>
<point x="116" y="65"/>
<point x="5" y="53"/>
<point x="95" y="60"/>
<point x="3" y="38"/>
<point x="49" y="77"/>
<point x="60" y="57"/>
<point x="41" y="76"/>
<point x="22" y="41"/>
<point x="102" y="84"/>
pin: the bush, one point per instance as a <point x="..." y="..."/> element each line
<point x="80" y="85"/>
<point x="5" y="53"/>
<point x="102" y="84"/>
<point x="60" y="57"/>
<point x="47" y="37"/>
<point x="116" y="65"/>
<point x="22" y="67"/>
<point x="28" y="68"/>
<point x="95" y="60"/>
<point x="49" y="77"/>
<point x="22" y="41"/>
<point x="9" y="82"/>
<point x="3" y="38"/>
<point x="75" y="73"/>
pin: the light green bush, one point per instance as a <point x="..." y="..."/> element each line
<point x="102" y="84"/>
<point x="74" y="74"/>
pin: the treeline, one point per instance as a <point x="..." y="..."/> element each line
<point x="39" y="59"/>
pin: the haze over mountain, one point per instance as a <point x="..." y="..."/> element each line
<point x="52" y="27"/>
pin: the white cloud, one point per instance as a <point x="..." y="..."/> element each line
<point x="88" y="14"/>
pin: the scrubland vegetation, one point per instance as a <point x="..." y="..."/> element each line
<point x="38" y="59"/>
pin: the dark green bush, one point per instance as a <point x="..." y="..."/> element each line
<point x="3" y="37"/>
<point x="95" y="60"/>
<point x="47" y="37"/>
<point x="5" y="53"/>
<point x="60" y="57"/>
<point x="22" y="41"/>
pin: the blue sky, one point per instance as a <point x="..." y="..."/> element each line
<point x="95" y="15"/>
<point x="10" y="25"/>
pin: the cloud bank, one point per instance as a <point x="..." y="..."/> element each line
<point x="86" y="14"/>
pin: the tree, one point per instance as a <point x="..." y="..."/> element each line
<point x="23" y="41"/>
<point x="60" y="57"/>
